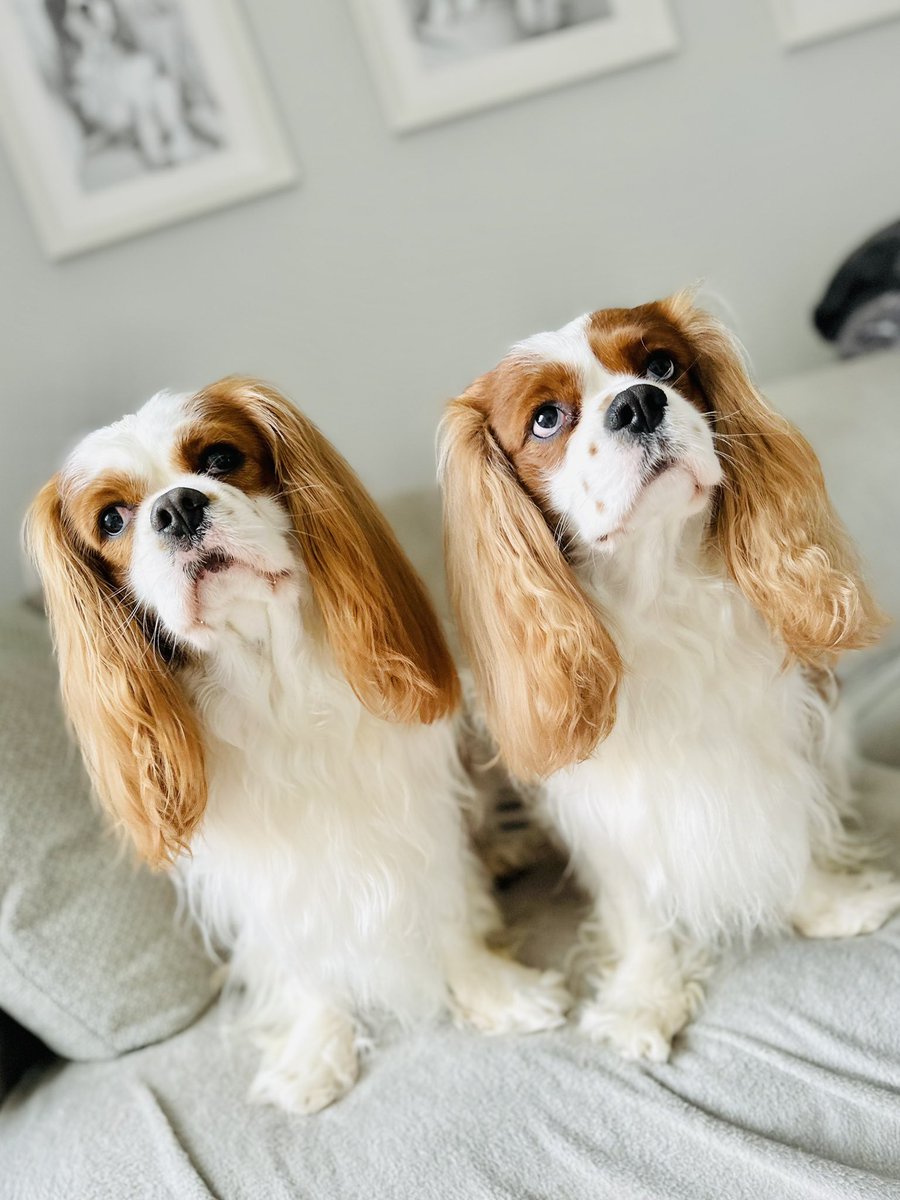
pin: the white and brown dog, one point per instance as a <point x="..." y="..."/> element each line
<point x="262" y="692"/>
<point x="652" y="587"/>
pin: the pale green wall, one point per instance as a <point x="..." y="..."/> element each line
<point x="402" y="267"/>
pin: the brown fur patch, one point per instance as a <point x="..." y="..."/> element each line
<point x="137" y="734"/>
<point x="376" y="614"/>
<point x="625" y="339"/>
<point x="219" y="420"/>
<point x="511" y="394"/>
<point x="774" y="525"/>
<point x="81" y="510"/>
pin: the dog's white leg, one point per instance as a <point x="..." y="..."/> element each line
<point x="150" y="137"/>
<point x="497" y="995"/>
<point x="839" y="904"/>
<point x="648" y="989"/>
<point x="487" y="990"/>
<point x="309" y="1059"/>
<point x="167" y="104"/>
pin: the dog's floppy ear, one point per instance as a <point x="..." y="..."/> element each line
<point x="779" y="536"/>
<point x="377" y="615"/>
<point x="137" y="735"/>
<point x="545" y="666"/>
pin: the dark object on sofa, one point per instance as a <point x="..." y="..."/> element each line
<point x="860" y="310"/>
<point x="19" y="1050"/>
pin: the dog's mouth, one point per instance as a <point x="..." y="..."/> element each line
<point x="216" y="561"/>
<point x="210" y="562"/>
<point x="650" y="473"/>
<point x="653" y="471"/>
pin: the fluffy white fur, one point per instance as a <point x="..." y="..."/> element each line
<point x="714" y="807"/>
<point x="331" y="860"/>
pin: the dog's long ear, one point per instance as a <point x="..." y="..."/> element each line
<point x="378" y="617"/>
<point x="546" y="668"/>
<point x="137" y="735"/>
<point x="778" y="534"/>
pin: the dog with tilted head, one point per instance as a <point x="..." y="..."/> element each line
<point x="263" y="696"/>
<point x="652" y="589"/>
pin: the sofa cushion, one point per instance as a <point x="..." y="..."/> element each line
<point x="92" y="958"/>
<point x="784" y="1086"/>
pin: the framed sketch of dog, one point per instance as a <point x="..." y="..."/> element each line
<point x="124" y="115"/>
<point x="437" y="59"/>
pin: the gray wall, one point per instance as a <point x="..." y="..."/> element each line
<point x="402" y="267"/>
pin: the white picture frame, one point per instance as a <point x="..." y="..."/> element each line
<point x="803" y="22"/>
<point x="182" y="154"/>
<point x="415" y="93"/>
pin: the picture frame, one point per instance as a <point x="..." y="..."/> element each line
<point x="430" y="66"/>
<point x="804" y="22"/>
<point x="122" y="116"/>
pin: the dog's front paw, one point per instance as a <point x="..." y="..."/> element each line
<point x="641" y="1031"/>
<point x="497" y="995"/>
<point x="636" y="1033"/>
<point x="308" y="1077"/>
<point x="841" y="905"/>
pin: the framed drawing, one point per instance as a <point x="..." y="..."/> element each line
<point x="803" y="21"/>
<point x="124" y="115"/>
<point x="437" y="59"/>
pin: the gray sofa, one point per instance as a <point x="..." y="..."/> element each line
<point x="787" y="1085"/>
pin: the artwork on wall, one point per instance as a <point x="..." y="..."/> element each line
<point x="805" y="21"/>
<point x="124" y="115"/>
<point x="437" y="59"/>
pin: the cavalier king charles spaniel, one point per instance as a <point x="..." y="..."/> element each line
<point x="263" y="694"/>
<point x="652" y="588"/>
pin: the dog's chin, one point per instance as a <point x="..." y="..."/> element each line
<point x="225" y="592"/>
<point x="671" y="490"/>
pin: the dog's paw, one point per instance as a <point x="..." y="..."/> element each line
<point x="841" y="905"/>
<point x="307" y="1078"/>
<point x="641" y="1030"/>
<point x="636" y="1033"/>
<point x="497" y="995"/>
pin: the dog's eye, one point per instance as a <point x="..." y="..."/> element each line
<point x="548" y="419"/>
<point x="660" y="367"/>
<point x="114" y="519"/>
<point x="220" y="459"/>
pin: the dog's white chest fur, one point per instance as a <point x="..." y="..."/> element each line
<point x="323" y="821"/>
<point x="706" y="780"/>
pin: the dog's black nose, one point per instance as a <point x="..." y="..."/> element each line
<point x="178" y="514"/>
<point x="639" y="409"/>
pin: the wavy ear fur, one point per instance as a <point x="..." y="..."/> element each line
<point x="546" y="668"/>
<point x="137" y="735"/>
<point x="377" y="614"/>
<point x="779" y="536"/>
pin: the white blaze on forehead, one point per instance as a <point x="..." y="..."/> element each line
<point x="569" y="346"/>
<point x="140" y="444"/>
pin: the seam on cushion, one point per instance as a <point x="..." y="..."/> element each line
<point x="35" y="986"/>
<point x="112" y="1046"/>
<point x="154" y="1101"/>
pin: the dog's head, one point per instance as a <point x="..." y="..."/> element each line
<point x="160" y="529"/>
<point x="626" y="422"/>
<point x="81" y="21"/>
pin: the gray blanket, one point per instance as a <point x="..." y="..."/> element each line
<point x="787" y="1085"/>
